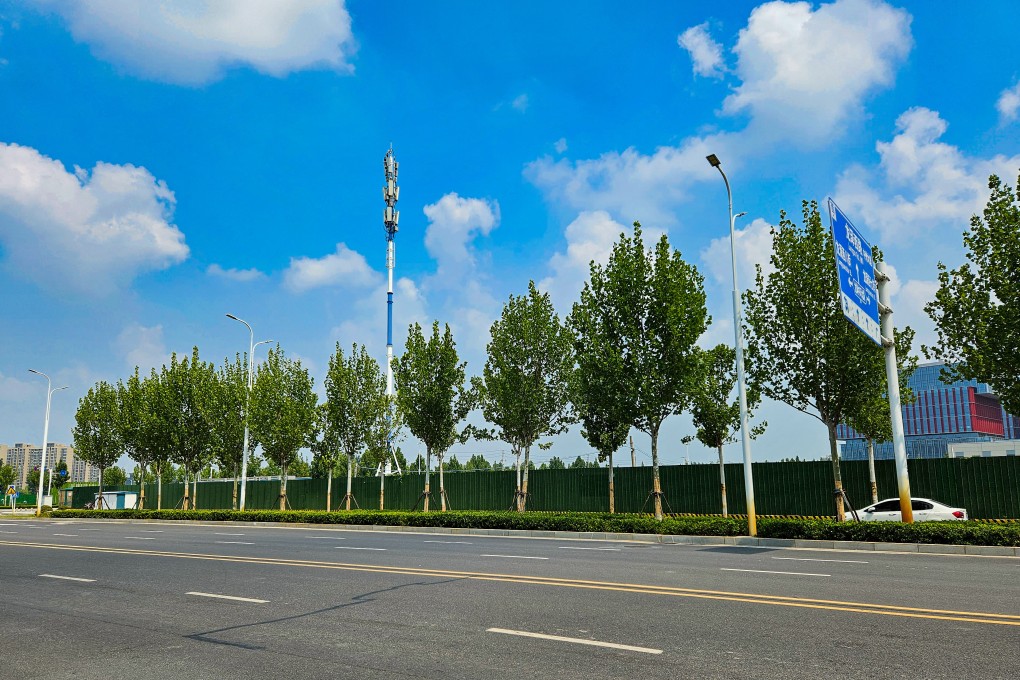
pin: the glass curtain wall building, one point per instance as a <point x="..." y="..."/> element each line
<point x="941" y="414"/>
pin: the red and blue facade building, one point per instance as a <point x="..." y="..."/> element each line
<point x="941" y="413"/>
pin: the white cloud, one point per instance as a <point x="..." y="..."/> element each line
<point x="366" y="323"/>
<point x="805" y="72"/>
<point x="908" y="309"/>
<point x="589" y="237"/>
<point x="86" y="231"/>
<point x="560" y="145"/>
<point x="142" y="346"/>
<point x="345" y="267"/>
<point x="242" y="275"/>
<point x="17" y="390"/>
<point x="923" y="185"/>
<point x="520" y="103"/>
<point x="754" y="247"/>
<point x="1009" y="104"/>
<point x="706" y="53"/>
<point x="455" y="222"/>
<point x="195" y="41"/>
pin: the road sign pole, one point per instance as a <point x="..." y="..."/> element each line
<point x="893" y="377"/>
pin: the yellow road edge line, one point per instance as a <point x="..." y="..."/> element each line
<point x="833" y="605"/>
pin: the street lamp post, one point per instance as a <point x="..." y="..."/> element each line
<point x="247" y="399"/>
<point x="46" y="433"/>
<point x="745" y="436"/>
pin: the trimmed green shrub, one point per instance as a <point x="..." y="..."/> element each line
<point x="955" y="533"/>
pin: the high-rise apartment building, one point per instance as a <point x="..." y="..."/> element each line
<point x="941" y="414"/>
<point x="24" y="458"/>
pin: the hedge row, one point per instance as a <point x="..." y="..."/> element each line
<point x="958" y="533"/>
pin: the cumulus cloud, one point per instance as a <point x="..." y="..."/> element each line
<point x="754" y="247"/>
<point x="560" y="145"/>
<point x="908" y="309"/>
<point x="706" y="53"/>
<point x="366" y="322"/>
<point x="1009" y="104"/>
<point x="590" y="237"/>
<point x="142" y="346"/>
<point x="804" y="72"/>
<point x="195" y="41"/>
<point x="455" y="222"/>
<point x="17" y="390"/>
<point x="921" y="183"/>
<point x="345" y="267"/>
<point x="83" y="231"/>
<point x="242" y="275"/>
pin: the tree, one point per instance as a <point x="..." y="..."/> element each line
<point x="115" y="476"/>
<point x="873" y="419"/>
<point x="477" y="462"/>
<point x="977" y="304"/>
<point x="716" y="418"/>
<point x="801" y="350"/>
<point x="556" y="463"/>
<point x="160" y="419"/>
<point x="188" y="389"/>
<point x="524" y="386"/>
<point x="580" y="464"/>
<point x="454" y="464"/>
<point x="33" y="479"/>
<point x="432" y="396"/>
<point x="7" y="475"/>
<point x="598" y="384"/>
<point x="97" y="438"/>
<point x="138" y="424"/>
<point x="228" y="418"/>
<point x="650" y="307"/>
<point x="356" y="406"/>
<point x="283" y="407"/>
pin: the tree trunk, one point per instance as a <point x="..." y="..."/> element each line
<point x="871" y="470"/>
<point x="382" y="484"/>
<point x="187" y="492"/>
<point x="612" y="488"/>
<point x="517" y="493"/>
<point x="442" y="489"/>
<point x="428" y="464"/>
<point x="99" y="500"/>
<point x="350" y="474"/>
<point x="633" y="458"/>
<point x="141" y="488"/>
<point x="522" y="499"/>
<point x="837" y="476"/>
<point x="722" y="483"/>
<point x="283" y="487"/>
<point x="329" y="490"/>
<point x="159" y="489"/>
<point x="656" y="485"/>
<point x="194" y="496"/>
<point x="234" y="499"/>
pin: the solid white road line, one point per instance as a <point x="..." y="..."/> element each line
<point x="518" y="557"/>
<point x="8" y="532"/>
<point x="328" y="538"/>
<point x="148" y="531"/>
<point x="578" y="641"/>
<point x="763" y="571"/>
<point x="141" y="538"/>
<point x="461" y="542"/>
<point x="69" y="578"/>
<point x="236" y="542"/>
<point x="814" y="559"/>
<point x="228" y="597"/>
<point x="65" y="534"/>
<point x="571" y="547"/>
<point x="89" y="529"/>
<point x="222" y="534"/>
<point x="351" y="547"/>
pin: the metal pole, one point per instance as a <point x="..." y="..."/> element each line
<point x="46" y="433"/>
<point x="247" y="400"/>
<point x="391" y="220"/>
<point x="892" y="376"/>
<point x="745" y="435"/>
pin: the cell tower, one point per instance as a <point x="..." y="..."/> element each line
<point x="391" y="217"/>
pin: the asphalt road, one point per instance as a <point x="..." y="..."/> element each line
<point x="157" y="600"/>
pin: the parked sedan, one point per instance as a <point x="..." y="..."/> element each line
<point x="925" y="510"/>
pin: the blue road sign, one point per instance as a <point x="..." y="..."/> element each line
<point x="858" y="290"/>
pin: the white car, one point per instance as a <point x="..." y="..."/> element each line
<point x="925" y="510"/>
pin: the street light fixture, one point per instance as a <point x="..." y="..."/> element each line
<point x="46" y="433"/>
<point x="745" y="437"/>
<point x="247" y="399"/>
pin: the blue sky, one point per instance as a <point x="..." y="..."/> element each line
<point x="162" y="164"/>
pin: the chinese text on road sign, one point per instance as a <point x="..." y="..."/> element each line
<point x="858" y="290"/>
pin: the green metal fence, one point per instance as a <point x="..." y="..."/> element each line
<point x="989" y="488"/>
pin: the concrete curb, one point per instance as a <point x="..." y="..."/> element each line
<point x="667" y="539"/>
